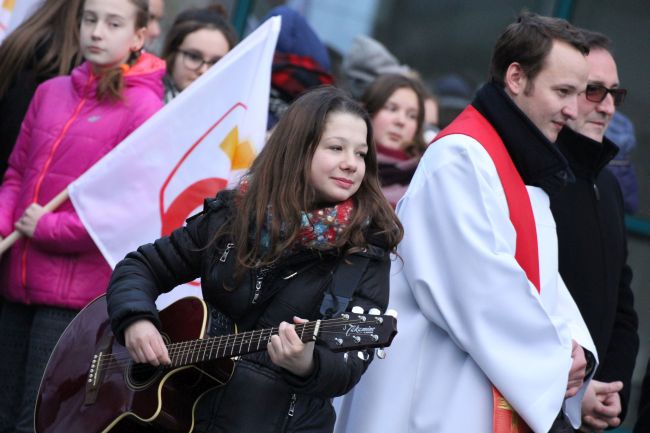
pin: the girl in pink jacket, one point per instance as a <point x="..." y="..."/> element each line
<point x="55" y="269"/>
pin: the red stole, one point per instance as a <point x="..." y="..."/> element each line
<point x="472" y="123"/>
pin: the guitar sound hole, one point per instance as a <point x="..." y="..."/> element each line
<point x="139" y="376"/>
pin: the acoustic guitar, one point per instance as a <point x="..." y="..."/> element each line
<point x="91" y="384"/>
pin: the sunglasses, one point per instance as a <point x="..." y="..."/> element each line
<point x="598" y="92"/>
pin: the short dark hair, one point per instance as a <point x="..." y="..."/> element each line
<point x="596" y="40"/>
<point x="528" y="41"/>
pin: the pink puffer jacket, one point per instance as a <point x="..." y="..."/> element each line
<point x="65" y="131"/>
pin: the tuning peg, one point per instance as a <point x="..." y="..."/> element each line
<point x="380" y="353"/>
<point x="391" y="312"/>
<point x="363" y="355"/>
<point x="374" y="311"/>
<point x="357" y="310"/>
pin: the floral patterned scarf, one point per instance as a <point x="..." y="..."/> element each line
<point x="319" y="228"/>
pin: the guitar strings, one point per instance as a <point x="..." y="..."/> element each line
<point x="207" y="346"/>
<point x="180" y="349"/>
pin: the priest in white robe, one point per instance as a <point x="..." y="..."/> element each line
<point x="470" y="318"/>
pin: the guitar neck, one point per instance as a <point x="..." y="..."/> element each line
<point x="228" y="346"/>
<point x="348" y="331"/>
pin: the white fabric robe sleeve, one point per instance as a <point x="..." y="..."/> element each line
<point x="458" y="254"/>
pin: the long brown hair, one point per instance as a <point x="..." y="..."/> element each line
<point x="382" y="88"/>
<point x="111" y="81"/>
<point x="52" y="28"/>
<point x="278" y="182"/>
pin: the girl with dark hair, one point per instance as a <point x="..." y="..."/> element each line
<point x="198" y="39"/>
<point x="266" y="253"/>
<point x="396" y="105"/>
<point x="72" y="121"/>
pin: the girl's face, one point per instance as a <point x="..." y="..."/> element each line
<point x="199" y="50"/>
<point x="108" y="33"/>
<point x="339" y="164"/>
<point x="395" y="124"/>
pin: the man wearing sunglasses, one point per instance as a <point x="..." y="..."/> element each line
<point x="592" y="241"/>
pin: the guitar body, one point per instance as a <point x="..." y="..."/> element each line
<point x="124" y="397"/>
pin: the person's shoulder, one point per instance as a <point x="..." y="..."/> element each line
<point x="144" y="81"/>
<point x="218" y="208"/>
<point x="451" y="150"/>
<point x="377" y="246"/>
<point x="58" y="83"/>
<point x="223" y="199"/>
<point x="53" y="90"/>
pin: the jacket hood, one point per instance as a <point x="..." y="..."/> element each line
<point x="147" y="72"/>
<point x="297" y="37"/>
<point x="366" y="60"/>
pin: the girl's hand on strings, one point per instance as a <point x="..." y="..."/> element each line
<point x="288" y="351"/>
<point x="27" y="223"/>
<point x="145" y="344"/>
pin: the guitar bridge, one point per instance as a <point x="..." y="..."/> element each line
<point x="92" y="382"/>
<point x="96" y="371"/>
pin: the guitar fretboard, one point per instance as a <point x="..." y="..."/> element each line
<point x="227" y="346"/>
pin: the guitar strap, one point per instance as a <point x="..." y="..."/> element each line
<point x="344" y="281"/>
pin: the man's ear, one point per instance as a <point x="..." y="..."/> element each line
<point x="515" y="79"/>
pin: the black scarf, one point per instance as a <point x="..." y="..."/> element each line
<point x="538" y="161"/>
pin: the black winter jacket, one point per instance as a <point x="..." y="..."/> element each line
<point x="592" y="245"/>
<point x="260" y="396"/>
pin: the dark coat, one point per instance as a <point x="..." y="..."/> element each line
<point x="259" y="395"/>
<point x="13" y="106"/>
<point x="593" y="256"/>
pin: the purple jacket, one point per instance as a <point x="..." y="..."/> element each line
<point x="66" y="130"/>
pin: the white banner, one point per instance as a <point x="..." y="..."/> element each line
<point x="13" y="13"/>
<point x="199" y="143"/>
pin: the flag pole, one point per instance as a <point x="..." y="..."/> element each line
<point x="7" y="242"/>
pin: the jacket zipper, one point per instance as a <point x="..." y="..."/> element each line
<point x="292" y="405"/>
<point x="258" y="288"/>
<point x="224" y="256"/>
<point x="46" y="166"/>
<point x="261" y="274"/>
<point x="596" y="191"/>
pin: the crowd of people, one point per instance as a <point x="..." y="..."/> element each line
<point x="499" y="238"/>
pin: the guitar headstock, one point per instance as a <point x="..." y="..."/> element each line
<point x="357" y="331"/>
